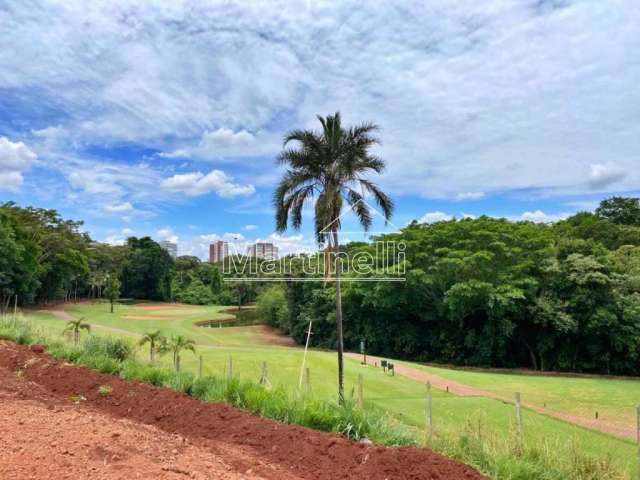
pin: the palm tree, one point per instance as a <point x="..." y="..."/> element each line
<point x="330" y="166"/>
<point x="155" y="341"/>
<point x="75" y="326"/>
<point x="178" y="343"/>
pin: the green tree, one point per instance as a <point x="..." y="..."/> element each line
<point x="177" y="344"/>
<point x="148" y="270"/>
<point x="331" y="166"/>
<point x="76" y="326"/>
<point x="272" y="307"/>
<point x="155" y="340"/>
<point x="621" y="210"/>
<point x="112" y="290"/>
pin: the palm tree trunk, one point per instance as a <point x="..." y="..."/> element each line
<point x="338" y="268"/>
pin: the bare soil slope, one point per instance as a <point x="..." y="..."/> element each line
<point x="55" y="424"/>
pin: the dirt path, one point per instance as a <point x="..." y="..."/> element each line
<point x="56" y="424"/>
<point x="463" y="390"/>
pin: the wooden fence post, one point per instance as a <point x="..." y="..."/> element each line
<point x="519" y="421"/>
<point x="264" y="374"/>
<point x="360" y="390"/>
<point x="429" y="415"/>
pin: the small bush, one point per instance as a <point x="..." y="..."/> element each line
<point x="100" y="363"/>
<point x="112" y="347"/>
<point x="105" y="390"/>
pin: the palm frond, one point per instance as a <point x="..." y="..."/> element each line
<point x="382" y="199"/>
<point x="360" y="208"/>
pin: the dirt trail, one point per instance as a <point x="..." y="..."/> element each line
<point x="463" y="390"/>
<point x="61" y="427"/>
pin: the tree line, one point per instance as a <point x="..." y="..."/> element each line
<point x="47" y="259"/>
<point x="490" y="292"/>
<point x="483" y="292"/>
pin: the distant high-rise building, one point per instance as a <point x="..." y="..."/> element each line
<point x="265" y="250"/>
<point x="170" y="247"/>
<point x="218" y="251"/>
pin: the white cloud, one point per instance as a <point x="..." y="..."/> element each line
<point x="602" y="176"/>
<point x="250" y="227"/>
<point x="178" y="153"/>
<point x="225" y="137"/>
<point x="128" y="232"/>
<point x="225" y="143"/>
<point x="115" y="240"/>
<point x="10" y="181"/>
<point x="119" y="208"/>
<point x="538" y="216"/>
<point x="238" y="243"/>
<point x="167" y="234"/>
<point x="216" y="181"/>
<point x="433" y="217"/>
<point x="470" y="96"/>
<point x="15" y="158"/>
<point x="470" y="196"/>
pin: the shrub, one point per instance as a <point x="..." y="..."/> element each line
<point x="111" y="347"/>
<point x="105" y="390"/>
<point x="100" y="363"/>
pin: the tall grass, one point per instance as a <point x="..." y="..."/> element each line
<point x="501" y="458"/>
<point x="492" y="454"/>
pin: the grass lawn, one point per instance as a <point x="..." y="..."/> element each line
<point x="615" y="400"/>
<point x="403" y="398"/>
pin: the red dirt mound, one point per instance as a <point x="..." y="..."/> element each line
<point x="301" y="452"/>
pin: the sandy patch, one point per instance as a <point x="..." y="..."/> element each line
<point x="149" y="317"/>
<point x="164" y="306"/>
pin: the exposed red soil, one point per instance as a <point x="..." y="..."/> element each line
<point x="463" y="390"/>
<point x="214" y="436"/>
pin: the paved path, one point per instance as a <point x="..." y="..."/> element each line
<point x="463" y="390"/>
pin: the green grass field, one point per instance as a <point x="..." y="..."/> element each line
<point x="403" y="398"/>
<point x="614" y="399"/>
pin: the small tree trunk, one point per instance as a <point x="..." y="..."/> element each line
<point x="178" y="363"/>
<point x="111" y="306"/>
<point x="338" y="268"/>
<point x="76" y="337"/>
<point x="151" y="349"/>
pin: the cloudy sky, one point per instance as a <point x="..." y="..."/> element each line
<point x="163" y="118"/>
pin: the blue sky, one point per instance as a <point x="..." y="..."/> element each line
<point x="163" y="118"/>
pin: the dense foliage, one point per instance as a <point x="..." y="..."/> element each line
<point x="45" y="258"/>
<point x="491" y="292"/>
